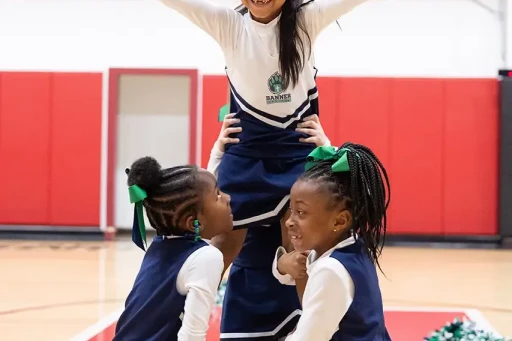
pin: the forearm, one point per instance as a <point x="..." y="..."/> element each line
<point x="221" y="23"/>
<point x="195" y="10"/>
<point x="300" y="284"/>
<point x="285" y="279"/>
<point x="333" y="9"/>
<point x="214" y="162"/>
<point x="321" y="13"/>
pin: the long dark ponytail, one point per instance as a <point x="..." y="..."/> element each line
<point x="292" y="48"/>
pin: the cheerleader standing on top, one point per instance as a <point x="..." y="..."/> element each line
<point x="271" y="74"/>
<point x="174" y="291"/>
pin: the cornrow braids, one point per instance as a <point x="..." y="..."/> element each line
<point x="172" y="193"/>
<point x="362" y="191"/>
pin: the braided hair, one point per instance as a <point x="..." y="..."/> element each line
<point x="172" y="193"/>
<point x="361" y="190"/>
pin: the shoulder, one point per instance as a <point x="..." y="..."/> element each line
<point x="330" y="275"/>
<point x="206" y="254"/>
<point x="331" y="268"/>
<point x="207" y="259"/>
<point x="202" y="269"/>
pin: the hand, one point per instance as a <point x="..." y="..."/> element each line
<point x="293" y="264"/>
<point x="226" y="130"/>
<point x="312" y="127"/>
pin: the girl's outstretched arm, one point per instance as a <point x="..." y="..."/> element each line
<point x="321" y="13"/>
<point x="221" y="23"/>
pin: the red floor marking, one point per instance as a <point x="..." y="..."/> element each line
<point x="408" y="326"/>
<point x="105" y="335"/>
<point x="403" y="324"/>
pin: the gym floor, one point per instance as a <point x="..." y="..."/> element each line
<point x="75" y="290"/>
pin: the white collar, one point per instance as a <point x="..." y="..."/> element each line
<point x="260" y="27"/>
<point x="313" y="256"/>
<point x="208" y="241"/>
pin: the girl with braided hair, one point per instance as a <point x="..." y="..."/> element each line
<point x="338" y="218"/>
<point x="173" y="295"/>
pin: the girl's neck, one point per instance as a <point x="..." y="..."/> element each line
<point x="332" y="243"/>
<point x="266" y="20"/>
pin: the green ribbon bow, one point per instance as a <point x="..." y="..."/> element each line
<point x="326" y="153"/>
<point x="137" y="196"/>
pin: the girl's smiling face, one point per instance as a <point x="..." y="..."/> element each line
<point x="316" y="222"/>
<point x="264" y="11"/>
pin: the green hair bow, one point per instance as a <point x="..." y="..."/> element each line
<point x="137" y="196"/>
<point x="326" y="153"/>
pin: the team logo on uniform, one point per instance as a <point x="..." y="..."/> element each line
<point x="275" y="86"/>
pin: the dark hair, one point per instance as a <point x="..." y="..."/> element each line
<point x="292" y="48"/>
<point x="172" y="193"/>
<point x="362" y="191"/>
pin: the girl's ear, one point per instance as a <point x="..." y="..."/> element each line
<point x="189" y="223"/>
<point x="343" y="220"/>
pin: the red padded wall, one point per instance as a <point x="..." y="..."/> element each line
<point x="471" y="157"/>
<point x="328" y="101"/>
<point x="437" y="138"/>
<point x="363" y="113"/>
<point x="24" y="147"/>
<point x="215" y="95"/>
<point x="50" y="136"/>
<point x="76" y="149"/>
<point x="416" y="156"/>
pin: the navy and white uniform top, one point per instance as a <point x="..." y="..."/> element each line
<point x="252" y="56"/>
<point x="342" y="300"/>
<point x="174" y="292"/>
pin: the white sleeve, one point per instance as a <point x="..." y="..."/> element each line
<point x="199" y="279"/>
<point x="223" y="24"/>
<point x="283" y="279"/>
<point x="215" y="159"/>
<point x="328" y="295"/>
<point x="321" y="13"/>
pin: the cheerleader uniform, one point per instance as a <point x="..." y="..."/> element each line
<point x="259" y="171"/>
<point x="173" y="293"/>
<point x="342" y="300"/>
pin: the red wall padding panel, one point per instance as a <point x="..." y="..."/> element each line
<point x="471" y="157"/>
<point x="50" y="126"/>
<point x="76" y="149"/>
<point x="24" y="147"/>
<point x="328" y="102"/>
<point x="215" y="95"/>
<point x="416" y="156"/>
<point x="364" y="114"/>
<point x="437" y="138"/>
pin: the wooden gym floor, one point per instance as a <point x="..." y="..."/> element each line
<point x="56" y="291"/>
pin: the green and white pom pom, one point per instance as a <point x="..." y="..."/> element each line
<point x="219" y="298"/>
<point x="462" y="330"/>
